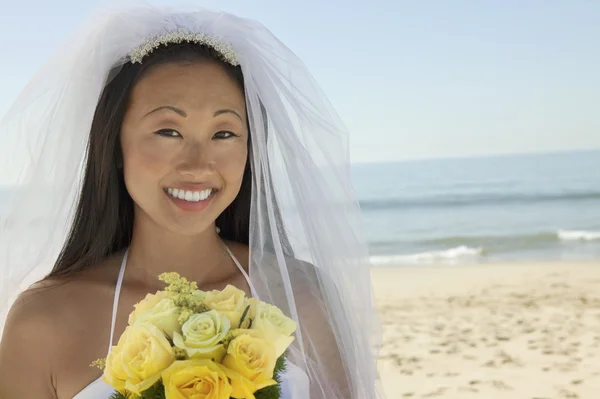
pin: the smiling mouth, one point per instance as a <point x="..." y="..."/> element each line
<point x="191" y="196"/>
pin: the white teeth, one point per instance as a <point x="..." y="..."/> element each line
<point x="191" y="196"/>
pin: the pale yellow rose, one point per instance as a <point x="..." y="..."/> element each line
<point x="202" y="335"/>
<point x="251" y="356"/>
<point x="197" y="379"/>
<point x="276" y="327"/>
<point x="230" y="302"/>
<point x="146" y="304"/>
<point x="163" y="314"/>
<point x="138" y="360"/>
<point x="200" y="294"/>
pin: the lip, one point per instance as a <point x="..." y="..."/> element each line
<point x="192" y="186"/>
<point x="192" y="206"/>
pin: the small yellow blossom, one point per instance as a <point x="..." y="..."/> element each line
<point x="185" y="295"/>
<point x="177" y="284"/>
<point x="99" y="363"/>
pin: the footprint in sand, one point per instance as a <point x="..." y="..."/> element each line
<point x="501" y="385"/>
<point x="451" y="374"/>
<point x="468" y="389"/>
<point x="437" y="392"/>
<point x="566" y="394"/>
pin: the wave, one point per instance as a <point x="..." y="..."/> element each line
<point x="517" y="241"/>
<point x="461" y="248"/>
<point x="498" y="242"/>
<point x="578" y="235"/>
<point x="450" y="256"/>
<point x="473" y="200"/>
<point x="493" y="243"/>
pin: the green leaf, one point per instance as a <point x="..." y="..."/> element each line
<point x="117" y="395"/>
<point x="280" y="365"/>
<point x="273" y="391"/>
<point x="244" y="314"/>
<point x="156" y="391"/>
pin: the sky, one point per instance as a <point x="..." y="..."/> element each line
<point x="410" y="79"/>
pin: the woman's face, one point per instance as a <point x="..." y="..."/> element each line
<point x="184" y="141"/>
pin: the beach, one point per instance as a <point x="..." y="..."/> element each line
<point x="492" y="331"/>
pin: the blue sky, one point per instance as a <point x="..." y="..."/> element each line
<point x="411" y="79"/>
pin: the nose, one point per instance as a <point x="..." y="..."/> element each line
<point x="195" y="161"/>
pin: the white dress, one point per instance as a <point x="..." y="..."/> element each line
<point x="294" y="382"/>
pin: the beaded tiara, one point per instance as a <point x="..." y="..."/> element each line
<point x="180" y="36"/>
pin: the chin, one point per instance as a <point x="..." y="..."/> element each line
<point x="189" y="225"/>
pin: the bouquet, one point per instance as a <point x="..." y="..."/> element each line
<point x="185" y="343"/>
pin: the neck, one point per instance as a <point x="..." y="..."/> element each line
<point x="155" y="250"/>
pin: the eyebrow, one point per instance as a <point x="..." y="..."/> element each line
<point x="184" y="114"/>
<point x="227" y="111"/>
<point x="169" y="107"/>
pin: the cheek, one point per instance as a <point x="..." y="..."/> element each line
<point x="144" y="161"/>
<point x="231" y="165"/>
<point x="144" y="164"/>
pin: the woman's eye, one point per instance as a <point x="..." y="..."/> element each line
<point x="168" y="133"/>
<point x="224" y="135"/>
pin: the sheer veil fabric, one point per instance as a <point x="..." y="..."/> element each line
<point x="308" y="253"/>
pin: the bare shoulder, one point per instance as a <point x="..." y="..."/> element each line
<point x="41" y="331"/>
<point x="307" y="278"/>
<point x="316" y="296"/>
<point x="51" y="302"/>
<point x="27" y="349"/>
<point x="37" y="309"/>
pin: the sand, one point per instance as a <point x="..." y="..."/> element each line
<point x="506" y="331"/>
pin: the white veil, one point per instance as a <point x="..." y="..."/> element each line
<point x="308" y="254"/>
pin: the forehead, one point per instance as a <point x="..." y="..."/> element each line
<point x="198" y="84"/>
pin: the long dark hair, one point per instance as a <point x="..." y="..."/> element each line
<point x="103" y="220"/>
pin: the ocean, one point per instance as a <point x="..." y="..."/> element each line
<point x="543" y="207"/>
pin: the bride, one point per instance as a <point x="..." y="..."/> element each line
<point x="158" y="140"/>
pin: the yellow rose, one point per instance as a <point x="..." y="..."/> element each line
<point x="242" y="388"/>
<point x="251" y="356"/>
<point x="230" y="302"/>
<point x="162" y="313"/>
<point x="276" y="327"/>
<point x="146" y="304"/>
<point x="198" y="379"/>
<point x="200" y="294"/>
<point x="137" y="361"/>
<point x="202" y="336"/>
